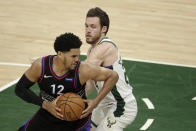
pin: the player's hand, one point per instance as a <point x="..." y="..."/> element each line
<point x="89" y="109"/>
<point x="52" y="108"/>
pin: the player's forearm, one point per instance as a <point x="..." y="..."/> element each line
<point x="22" y="90"/>
<point x="109" y="83"/>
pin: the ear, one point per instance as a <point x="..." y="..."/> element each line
<point x="104" y="29"/>
<point x="60" y="54"/>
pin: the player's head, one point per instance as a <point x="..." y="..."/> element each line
<point x="66" y="42"/>
<point x="102" y="15"/>
<point x="67" y="47"/>
<point x="97" y="24"/>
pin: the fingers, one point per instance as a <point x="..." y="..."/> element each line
<point x="85" y="113"/>
<point x="56" y="100"/>
<point x="59" y="115"/>
<point x="88" y="110"/>
<point x="86" y="101"/>
<point x="57" y="109"/>
<point x="54" y="110"/>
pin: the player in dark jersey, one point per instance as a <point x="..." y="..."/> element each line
<point x="56" y="75"/>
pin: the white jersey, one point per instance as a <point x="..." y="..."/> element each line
<point x="122" y="88"/>
<point x="118" y="109"/>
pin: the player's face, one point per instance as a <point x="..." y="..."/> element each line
<point x="71" y="58"/>
<point x="93" y="30"/>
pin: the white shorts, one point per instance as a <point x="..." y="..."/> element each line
<point x="103" y="115"/>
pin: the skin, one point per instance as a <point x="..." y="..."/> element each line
<point x="104" y="54"/>
<point x="64" y="62"/>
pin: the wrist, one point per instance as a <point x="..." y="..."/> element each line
<point x="95" y="102"/>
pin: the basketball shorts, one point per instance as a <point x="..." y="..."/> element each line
<point x="44" y="121"/>
<point x="103" y="118"/>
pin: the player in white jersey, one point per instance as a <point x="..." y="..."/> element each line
<point x="119" y="108"/>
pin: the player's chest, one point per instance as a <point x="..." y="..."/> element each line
<point x="56" y="86"/>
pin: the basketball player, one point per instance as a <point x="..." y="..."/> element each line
<point x="119" y="108"/>
<point x="56" y="75"/>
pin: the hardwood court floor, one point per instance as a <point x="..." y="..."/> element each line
<point x="156" y="30"/>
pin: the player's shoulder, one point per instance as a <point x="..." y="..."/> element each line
<point x="108" y="42"/>
<point x="40" y="60"/>
<point x="87" y="67"/>
<point x="104" y="47"/>
<point x="84" y="65"/>
<point x="107" y="48"/>
<point x="37" y="63"/>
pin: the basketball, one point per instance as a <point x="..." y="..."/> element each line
<point x="71" y="105"/>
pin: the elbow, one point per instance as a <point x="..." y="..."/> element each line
<point x="115" y="76"/>
<point x="17" y="90"/>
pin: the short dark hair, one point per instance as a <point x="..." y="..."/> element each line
<point x="102" y="15"/>
<point x="67" y="41"/>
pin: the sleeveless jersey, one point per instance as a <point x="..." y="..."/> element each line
<point x="51" y="85"/>
<point x="122" y="88"/>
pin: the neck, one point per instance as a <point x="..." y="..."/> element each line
<point x="102" y="36"/>
<point x="59" y="67"/>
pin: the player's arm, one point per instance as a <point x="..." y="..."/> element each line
<point x="96" y="58"/>
<point x="102" y="55"/>
<point x="96" y="73"/>
<point x="23" y="91"/>
<point x="90" y="83"/>
<point x="26" y="81"/>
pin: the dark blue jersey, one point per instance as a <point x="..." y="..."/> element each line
<point x="51" y="85"/>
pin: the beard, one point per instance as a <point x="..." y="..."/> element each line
<point x="93" y="40"/>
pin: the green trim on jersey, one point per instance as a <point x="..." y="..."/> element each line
<point x="106" y="39"/>
<point x="120" y="103"/>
